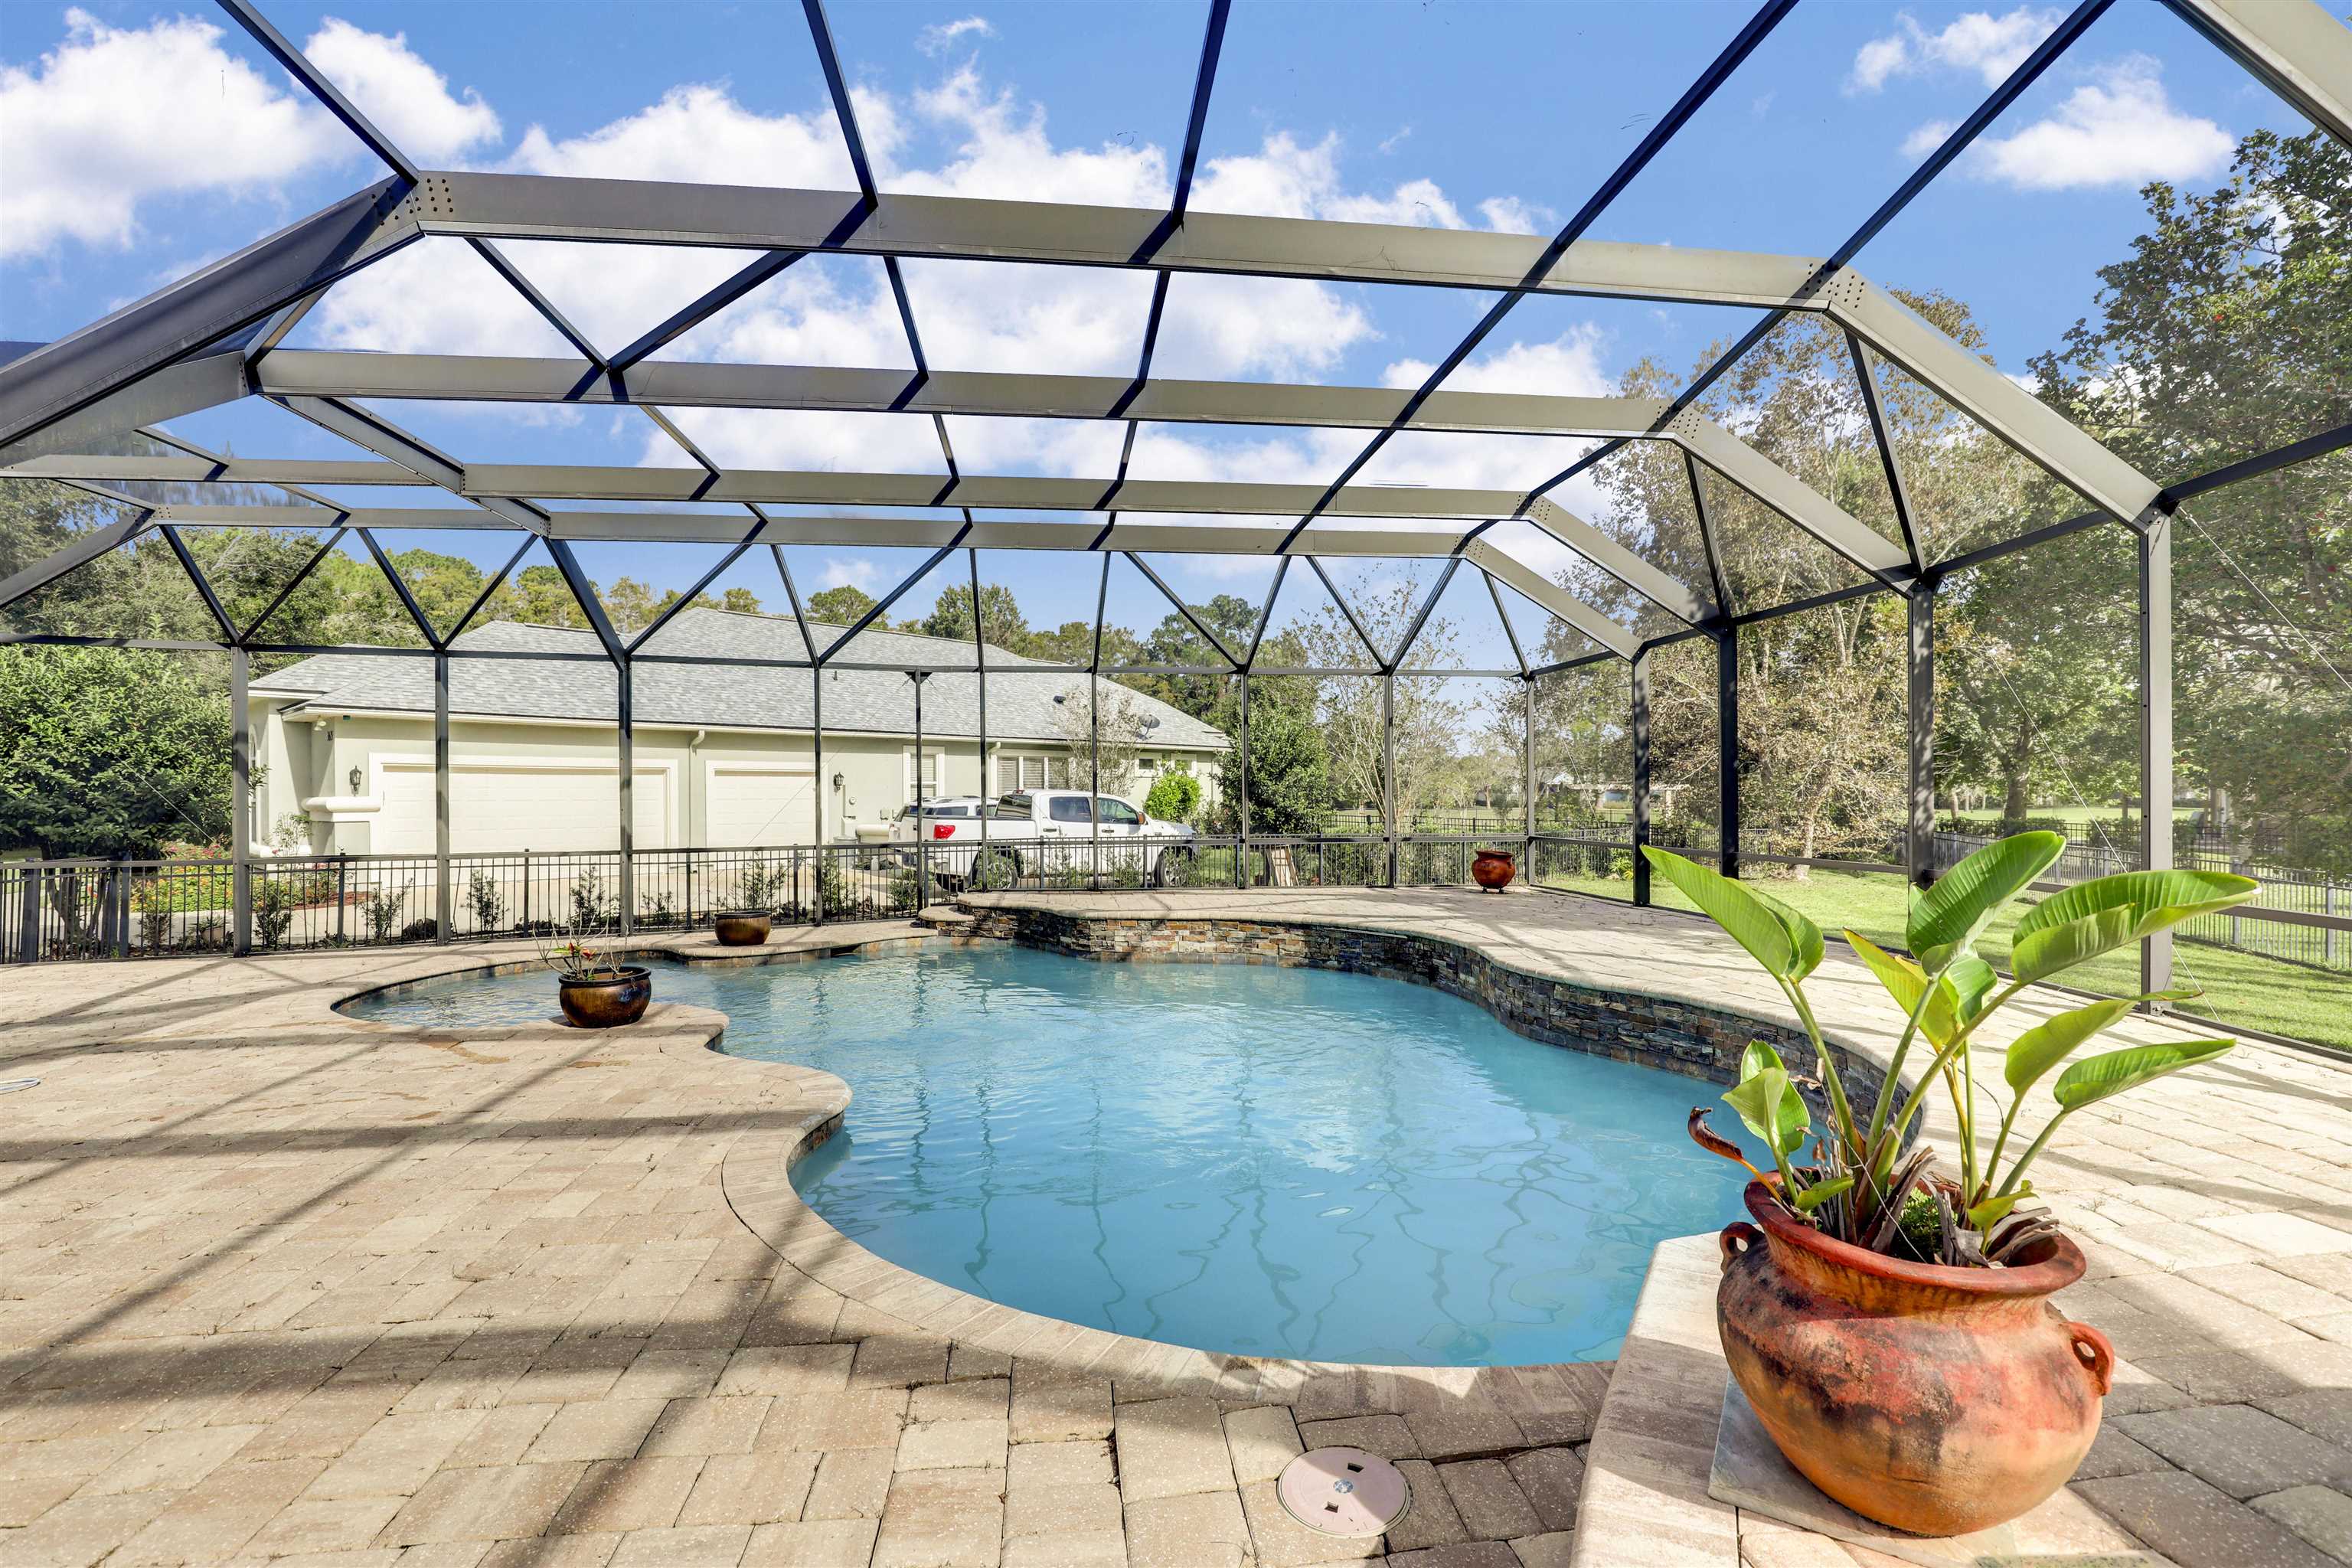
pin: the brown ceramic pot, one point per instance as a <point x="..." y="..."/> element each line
<point x="742" y="928"/>
<point x="1936" y="1400"/>
<point x="605" y="1001"/>
<point x="1493" y="869"/>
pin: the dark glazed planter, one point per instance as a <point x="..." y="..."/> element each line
<point x="607" y="1001"/>
<point x="1933" y="1399"/>
<point x="1494" y="868"/>
<point x="742" y="928"/>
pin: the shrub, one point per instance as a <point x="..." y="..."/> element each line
<point x="1175" y="795"/>
<point x="482" y="899"/>
<point x="273" y="909"/>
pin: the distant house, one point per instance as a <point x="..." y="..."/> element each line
<point x="723" y="754"/>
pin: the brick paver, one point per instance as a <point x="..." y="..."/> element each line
<point x="273" y="1284"/>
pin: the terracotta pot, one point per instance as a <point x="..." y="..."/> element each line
<point x="742" y="928"/>
<point x="606" y="1000"/>
<point x="1936" y="1400"/>
<point x="1493" y="869"/>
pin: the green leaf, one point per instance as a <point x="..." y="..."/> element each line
<point x="1960" y="990"/>
<point x="2052" y="950"/>
<point x="2047" y="1044"/>
<point x="1772" y="1108"/>
<point x="1820" y="1193"/>
<point x="2157" y="899"/>
<point x="1745" y="918"/>
<point x="1949" y="916"/>
<point x="1757" y="1058"/>
<point x="1805" y="936"/>
<point x="1899" y="974"/>
<point x="1992" y="1211"/>
<point x="2112" y="1073"/>
<point x="1971" y="979"/>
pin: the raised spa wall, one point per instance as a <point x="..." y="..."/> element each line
<point x="1681" y="1037"/>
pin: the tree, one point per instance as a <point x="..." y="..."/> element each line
<point x="109" y="751"/>
<point x="1349" y="713"/>
<point x="1002" y="623"/>
<point x="2226" y="333"/>
<point x="844" y="605"/>
<point x="1289" y="783"/>
<point x="1116" y="738"/>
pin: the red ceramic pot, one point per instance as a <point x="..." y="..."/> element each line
<point x="1493" y="869"/>
<point x="1933" y="1399"/>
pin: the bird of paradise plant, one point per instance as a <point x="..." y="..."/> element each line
<point x="1865" y="1186"/>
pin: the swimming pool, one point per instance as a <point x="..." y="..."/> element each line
<point x="1270" y="1162"/>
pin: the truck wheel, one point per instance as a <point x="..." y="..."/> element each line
<point x="994" y="870"/>
<point x="1174" y="870"/>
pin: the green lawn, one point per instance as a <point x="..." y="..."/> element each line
<point x="2241" y="989"/>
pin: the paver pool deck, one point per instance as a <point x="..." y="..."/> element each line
<point x="278" y="1285"/>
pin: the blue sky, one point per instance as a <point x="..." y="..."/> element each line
<point x="142" y="141"/>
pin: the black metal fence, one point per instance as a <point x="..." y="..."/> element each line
<point x="2287" y="892"/>
<point x="60" y="909"/>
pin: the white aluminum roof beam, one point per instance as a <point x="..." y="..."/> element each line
<point x="537" y="206"/>
<point x="2295" y="46"/>
<point x="713" y="528"/>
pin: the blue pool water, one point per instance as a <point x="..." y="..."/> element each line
<point x="1273" y="1162"/>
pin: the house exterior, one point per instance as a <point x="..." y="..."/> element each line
<point x="724" y="754"/>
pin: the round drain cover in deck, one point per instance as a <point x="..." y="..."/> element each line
<point x="1343" y="1491"/>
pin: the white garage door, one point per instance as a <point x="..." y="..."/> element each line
<point x="754" y="806"/>
<point x="494" y="806"/>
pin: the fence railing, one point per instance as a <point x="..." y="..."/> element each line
<point x="60" y="909"/>
<point x="2273" y="925"/>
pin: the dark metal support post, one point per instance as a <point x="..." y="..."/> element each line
<point x="2156" y="735"/>
<point x="1241" y="877"/>
<point x="626" y="713"/>
<point x="1726" y="752"/>
<point x="922" y="834"/>
<point x="444" y="900"/>
<point x="1528" y="741"/>
<point x="1641" y="735"/>
<point x="240" y="761"/>
<point x="980" y="680"/>
<point x="1094" y="777"/>
<point x="816" y="735"/>
<point x="1388" y="768"/>
<point x="1920" y="840"/>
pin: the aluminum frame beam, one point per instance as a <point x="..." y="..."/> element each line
<point x="177" y="320"/>
<point x="2294" y="47"/>
<point x="540" y="206"/>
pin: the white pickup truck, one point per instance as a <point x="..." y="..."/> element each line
<point x="1043" y="836"/>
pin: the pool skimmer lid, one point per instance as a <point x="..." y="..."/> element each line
<point x="1343" y="1491"/>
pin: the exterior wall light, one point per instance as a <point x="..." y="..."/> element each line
<point x="355" y="780"/>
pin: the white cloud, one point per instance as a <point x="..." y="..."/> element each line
<point x="407" y="99"/>
<point x="1977" y="41"/>
<point x="847" y="572"/>
<point x="932" y="40"/>
<point x="1568" y="366"/>
<point x="1509" y="214"/>
<point x="114" y="117"/>
<point x="2120" y="129"/>
<point x="1925" y="139"/>
<point x="1396" y="139"/>
<point x="699" y="134"/>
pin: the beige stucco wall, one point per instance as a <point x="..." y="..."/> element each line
<point x="308" y="764"/>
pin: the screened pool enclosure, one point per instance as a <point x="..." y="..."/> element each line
<point x="1673" y="660"/>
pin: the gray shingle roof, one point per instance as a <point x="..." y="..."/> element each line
<point x="1020" y="708"/>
